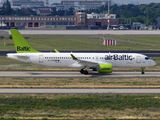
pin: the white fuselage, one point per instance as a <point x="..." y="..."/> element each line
<point x="92" y="59"/>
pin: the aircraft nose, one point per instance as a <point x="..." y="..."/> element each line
<point x="153" y="63"/>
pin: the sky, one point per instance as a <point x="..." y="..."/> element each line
<point x="123" y="1"/>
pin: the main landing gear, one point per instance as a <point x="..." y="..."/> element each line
<point x="83" y="71"/>
<point x="143" y="70"/>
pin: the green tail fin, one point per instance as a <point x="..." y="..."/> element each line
<point x="20" y="43"/>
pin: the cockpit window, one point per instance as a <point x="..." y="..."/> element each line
<point x="147" y="58"/>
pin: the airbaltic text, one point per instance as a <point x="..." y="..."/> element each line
<point x="24" y="48"/>
<point x="118" y="57"/>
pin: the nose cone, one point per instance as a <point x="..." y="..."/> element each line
<point x="153" y="63"/>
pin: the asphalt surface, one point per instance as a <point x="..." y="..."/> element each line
<point x="48" y="74"/>
<point x="77" y="91"/>
<point x="87" y="32"/>
<point x="69" y="74"/>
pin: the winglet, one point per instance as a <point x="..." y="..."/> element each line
<point x="56" y="51"/>
<point x="73" y="57"/>
<point x="20" y="43"/>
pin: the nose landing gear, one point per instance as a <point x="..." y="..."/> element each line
<point x="143" y="70"/>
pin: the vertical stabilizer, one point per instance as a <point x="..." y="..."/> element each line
<point x="20" y="43"/>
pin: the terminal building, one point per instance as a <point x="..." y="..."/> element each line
<point x="80" y="19"/>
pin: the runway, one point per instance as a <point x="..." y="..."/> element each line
<point x="88" y="32"/>
<point x="76" y="74"/>
<point x="70" y="74"/>
<point x="77" y="91"/>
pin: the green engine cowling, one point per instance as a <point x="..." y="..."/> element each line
<point x="105" y="68"/>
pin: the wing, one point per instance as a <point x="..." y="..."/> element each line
<point x="86" y="63"/>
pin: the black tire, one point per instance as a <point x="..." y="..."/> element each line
<point x="86" y="72"/>
<point x="82" y="71"/>
<point x="143" y="72"/>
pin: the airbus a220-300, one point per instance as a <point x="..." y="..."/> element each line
<point x="102" y="62"/>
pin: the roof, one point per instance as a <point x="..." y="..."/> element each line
<point x="44" y="11"/>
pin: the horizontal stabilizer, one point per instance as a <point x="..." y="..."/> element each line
<point x="22" y="56"/>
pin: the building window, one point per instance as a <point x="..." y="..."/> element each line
<point x="82" y="19"/>
<point x="112" y="17"/>
<point x="82" y="15"/>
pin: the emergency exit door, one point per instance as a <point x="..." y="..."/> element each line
<point x="138" y="59"/>
<point x="40" y="58"/>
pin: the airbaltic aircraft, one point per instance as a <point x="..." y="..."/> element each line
<point x="102" y="62"/>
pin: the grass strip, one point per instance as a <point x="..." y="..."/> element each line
<point x="85" y="43"/>
<point x="80" y="106"/>
<point x="79" y="83"/>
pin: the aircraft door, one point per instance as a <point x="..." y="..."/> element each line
<point x="138" y="59"/>
<point x="97" y="58"/>
<point x="40" y="58"/>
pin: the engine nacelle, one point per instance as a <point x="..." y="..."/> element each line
<point x="105" y="68"/>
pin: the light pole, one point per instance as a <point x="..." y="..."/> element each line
<point x="108" y="14"/>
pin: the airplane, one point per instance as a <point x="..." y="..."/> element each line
<point x="101" y="62"/>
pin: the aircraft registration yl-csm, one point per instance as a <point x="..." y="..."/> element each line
<point x="102" y="62"/>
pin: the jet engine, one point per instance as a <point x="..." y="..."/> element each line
<point x="104" y="68"/>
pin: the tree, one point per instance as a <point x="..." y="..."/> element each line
<point x="54" y="11"/>
<point x="6" y="8"/>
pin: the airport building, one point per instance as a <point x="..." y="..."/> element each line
<point x="37" y="21"/>
<point x="26" y="3"/>
<point x="80" y="4"/>
<point x="79" y="19"/>
<point x="101" y="20"/>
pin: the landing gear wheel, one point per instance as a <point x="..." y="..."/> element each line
<point x="82" y="71"/>
<point x="143" y="71"/>
<point x="85" y="72"/>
